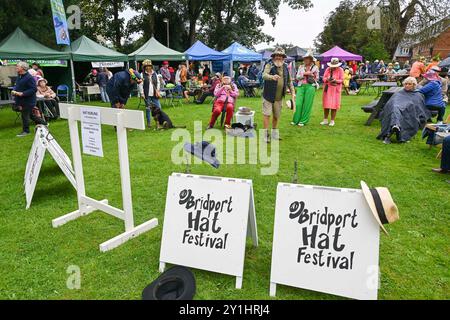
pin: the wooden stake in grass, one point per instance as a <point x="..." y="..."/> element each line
<point x="295" y="177"/>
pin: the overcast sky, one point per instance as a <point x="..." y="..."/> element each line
<point x="298" y="27"/>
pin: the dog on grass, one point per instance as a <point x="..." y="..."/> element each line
<point x="162" y="120"/>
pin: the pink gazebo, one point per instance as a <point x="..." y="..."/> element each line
<point x="340" y="53"/>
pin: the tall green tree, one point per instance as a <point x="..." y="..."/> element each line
<point x="101" y="20"/>
<point x="346" y="27"/>
<point x="224" y="21"/>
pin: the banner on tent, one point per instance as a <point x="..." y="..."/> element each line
<point x="60" y="22"/>
<point x="44" y="141"/>
<point x="207" y="221"/>
<point x="42" y="63"/>
<point x="108" y="64"/>
<point x="325" y="240"/>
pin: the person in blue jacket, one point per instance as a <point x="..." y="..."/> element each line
<point x="120" y="86"/>
<point x="25" y="97"/>
<point x="445" y="163"/>
<point x="432" y="91"/>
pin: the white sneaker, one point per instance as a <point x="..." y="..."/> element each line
<point x="440" y="123"/>
<point x="292" y="124"/>
<point x="332" y="124"/>
<point x="276" y="135"/>
<point x="324" y="123"/>
<point x="301" y="125"/>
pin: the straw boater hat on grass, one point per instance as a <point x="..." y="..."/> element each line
<point x="279" y="52"/>
<point x="334" y="63"/>
<point x="381" y="204"/>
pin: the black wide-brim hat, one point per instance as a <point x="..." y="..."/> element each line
<point x="177" y="283"/>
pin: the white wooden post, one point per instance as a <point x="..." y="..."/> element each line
<point x="122" y="119"/>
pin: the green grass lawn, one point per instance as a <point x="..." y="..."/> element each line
<point x="34" y="257"/>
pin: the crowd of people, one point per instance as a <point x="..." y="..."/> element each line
<point x="425" y="91"/>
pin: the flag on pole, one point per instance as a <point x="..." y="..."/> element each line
<point x="60" y="22"/>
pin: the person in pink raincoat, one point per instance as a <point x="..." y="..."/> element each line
<point x="226" y="94"/>
<point x="332" y="89"/>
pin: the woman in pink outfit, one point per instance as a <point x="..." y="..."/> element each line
<point x="332" y="80"/>
<point x="226" y="94"/>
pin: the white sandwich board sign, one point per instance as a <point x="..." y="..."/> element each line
<point x="122" y="120"/>
<point x="43" y="142"/>
<point x="325" y="240"/>
<point x="207" y="221"/>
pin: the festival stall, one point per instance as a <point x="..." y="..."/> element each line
<point x="339" y="53"/>
<point x="19" y="46"/>
<point x="86" y="50"/>
<point x="297" y="53"/>
<point x="154" y="50"/>
<point x="239" y="53"/>
<point x="200" y="52"/>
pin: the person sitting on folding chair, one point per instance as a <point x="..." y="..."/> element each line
<point x="226" y="94"/>
<point x="51" y="101"/>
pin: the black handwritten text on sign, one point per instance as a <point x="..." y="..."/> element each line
<point x="203" y="220"/>
<point x="323" y="248"/>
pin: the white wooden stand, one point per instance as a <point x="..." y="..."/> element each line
<point x="122" y="119"/>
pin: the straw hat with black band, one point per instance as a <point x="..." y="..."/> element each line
<point x="334" y="63"/>
<point x="381" y="205"/>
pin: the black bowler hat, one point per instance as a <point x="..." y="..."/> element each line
<point x="177" y="283"/>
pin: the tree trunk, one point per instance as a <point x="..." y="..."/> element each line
<point x="151" y="18"/>
<point x="117" y="31"/>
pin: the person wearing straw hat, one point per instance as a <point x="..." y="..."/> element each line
<point x="150" y="89"/>
<point x="381" y="204"/>
<point x="332" y="91"/>
<point x="307" y="76"/>
<point x="277" y="80"/>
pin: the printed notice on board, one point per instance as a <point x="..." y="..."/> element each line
<point x="91" y="132"/>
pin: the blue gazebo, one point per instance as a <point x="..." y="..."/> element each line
<point x="201" y="52"/>
<point x="240" y="53"/>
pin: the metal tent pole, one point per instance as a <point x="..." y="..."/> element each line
<point x="74" y="90"/>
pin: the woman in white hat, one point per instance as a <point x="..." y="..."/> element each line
<point x="332" y="90"/>
<point x="307" y="76"/>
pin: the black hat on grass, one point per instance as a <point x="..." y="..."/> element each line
<point x="177" y="283"/>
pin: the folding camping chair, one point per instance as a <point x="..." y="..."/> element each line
<point x="176" y="95"/>
<point x="63" y="91"/>
<point x="224" y="112"/>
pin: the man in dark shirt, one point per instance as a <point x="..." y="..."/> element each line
<point x="25" y="98"/>
<point x="120" y="86"/>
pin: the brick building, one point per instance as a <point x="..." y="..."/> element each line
<point x="437" y="42"/>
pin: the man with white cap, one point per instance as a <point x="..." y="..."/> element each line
<point x="277" y="79"/>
